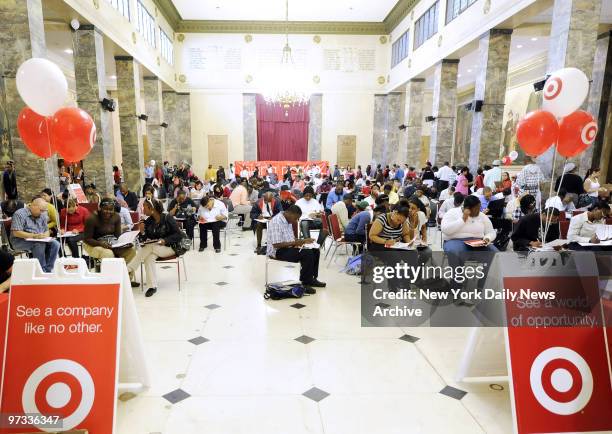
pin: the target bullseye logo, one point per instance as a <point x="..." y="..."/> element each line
<point x="553" y="88"/>
<point x="561" y="380"/>
<point x="588" y="133"/>
<point x="59" y="386"/>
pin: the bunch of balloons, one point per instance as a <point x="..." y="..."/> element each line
<point x="44" y="125"/>
<point x="559" y="122"/>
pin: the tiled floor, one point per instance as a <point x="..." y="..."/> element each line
<point x="225" y="361"/>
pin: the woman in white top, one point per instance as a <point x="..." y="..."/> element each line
<point x="197" y="192"/>
<point x="212" y="214"/>
<point x="454" y="202"/>
<point x="582" y="228"/>
<point x="467" y="223"/>
<point x="312" y="212"/>
<point x="591" y="182"/>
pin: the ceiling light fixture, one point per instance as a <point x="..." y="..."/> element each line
<point x="469" y="70"/>
<point x="68" y="51"/>
<point x="519" y="46"/>
<point x="113" y="77"/>
<point x="286" y="85"/>
<point x="534" y="39"/>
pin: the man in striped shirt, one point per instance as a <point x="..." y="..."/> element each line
<point x="283" y="246"/>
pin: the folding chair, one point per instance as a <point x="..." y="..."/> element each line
<point x="563" y="228"/>
<point x="337" y="238"/>
<point x="175" y="260"/>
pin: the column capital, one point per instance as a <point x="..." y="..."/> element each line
<point x="124" y="58"/>
<point x="151" y="78"/>
<point x="604" y="35"/>
<point x="183" y="93"/>
<point x="449" y="61"/>
<point x="87" y="27"/>
<point x="416" y="80"/>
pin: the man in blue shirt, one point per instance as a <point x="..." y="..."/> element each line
<point x="334" y="196"/>
<point x="356" y="229"/>
<point x="399" y="174"/>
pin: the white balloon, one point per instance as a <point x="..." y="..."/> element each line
<point x="42" y="85"/>
<point x="74" y="23"/>
<point x="513" y="155"/>
<point x="565" y="91"/>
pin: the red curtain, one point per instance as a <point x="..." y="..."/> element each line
<point x="282" y="134"/>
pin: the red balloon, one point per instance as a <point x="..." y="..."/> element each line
<point x="506" y="161"/>
<point x="537" y="131"/>
<point x="34" y="131"/>
<point x="576" y="133"/>
<point x="73" y="132"/>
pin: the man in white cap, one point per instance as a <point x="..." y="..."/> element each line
<point x="493" y="175"/>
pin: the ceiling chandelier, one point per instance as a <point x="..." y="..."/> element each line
<point x="286" y="86"/>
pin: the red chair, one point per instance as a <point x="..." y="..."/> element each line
<point x="563" y="228"/>
<point x="337" y="237"/>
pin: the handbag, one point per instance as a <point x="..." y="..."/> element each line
<point x="277" y="291"/>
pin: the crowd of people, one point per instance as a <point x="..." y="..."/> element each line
<point x="372" y="209"/>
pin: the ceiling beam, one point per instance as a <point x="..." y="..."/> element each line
<point x="401" y="9"/>
<point x="280" y="27"/>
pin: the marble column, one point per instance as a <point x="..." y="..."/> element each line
<point x="387" y="119"/>
<point x="413" y="119"/>
<point x="172" y="133"/>
<point x="183" y="118"/>
<point x="600" y="105"/>
<point x="573" y="38"/>
<point x="154" y="109"/>
<point x="315" y="126"/>
<point x="90" y="77"/>
<point x="490" y="87"/>
<point x="128" y="95"/>
<point x="380" y="132"/>
<point x="22" y="36"/>
<point x="249" y="126"/>
<point x="444" y="110"/>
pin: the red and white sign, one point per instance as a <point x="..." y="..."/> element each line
<point x="78" y="193"/>
<point x="560" y="375"/>
<point x="62" y="354"/>
<point x="280" y="167"/>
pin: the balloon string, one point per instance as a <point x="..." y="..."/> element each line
<point x="543" y="231"/>
<point x="47" y="162"/>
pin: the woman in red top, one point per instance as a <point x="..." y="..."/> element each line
<point x="505" y="183"/>
<point x="72" y="225"/>
<point x="479" y="181"/>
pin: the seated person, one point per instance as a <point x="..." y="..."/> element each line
<point x="527" y="205"/>
<point x="52" y="222"/>
<point x="421" y="194"/>
<point x="163" y="230"/>
<point x="148" y="192"/>
<point x="287" y="198"/>
<point x="124" y="214"/>
<point x="334" y="196"/>
<point x="389" y="228"/>
<point x="582" y="227"/>
<point x="91" y="194"/>
<point x="447" y="193"/>
<point x="240" y="200"/>
<point x="393" y="196"/>
<point x="9" y="206"/>
<point x="485" y="198"/>
<point x="342" y="209"/>
<point x="31" y="222"/>
<point x="183" y="209"/>
<point x="265" y="208"/>
<point x="530" y="229"/>
<point x="129" y="196"/>
<point x="72" y="219"/>
<point x="417" y="220"/>
<point x="355" y="231"/>
<point x="6" y="268"/>
<point x="312" y="212"/>
<point x="212" y="215"/>
<point x="455" y="202"/>
<point x="283" y="246"/>
<point x="102" y="228"/>
<point x="465" y="224"/>
<point x="371" y="198"/>
<point x="197" y="192"/>
<point x="562" y="201"/>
